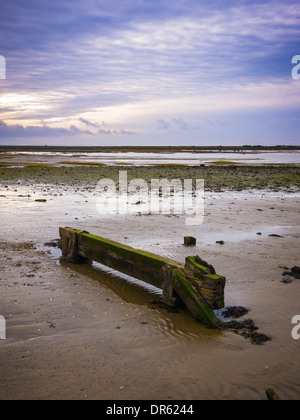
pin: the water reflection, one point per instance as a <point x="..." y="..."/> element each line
<point x="131" y="290"/>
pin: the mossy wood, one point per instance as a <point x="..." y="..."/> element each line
<point x="192" y="283"/>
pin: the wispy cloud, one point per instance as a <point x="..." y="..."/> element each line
<point x="162" y="124"/>
<point x="88" y="123"/>
<point x="183" y="125"/>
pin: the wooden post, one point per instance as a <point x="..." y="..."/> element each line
<point x="195" y="285"/>
<point x="190" y="241"/>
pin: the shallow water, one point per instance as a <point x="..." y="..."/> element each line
<point x="137" y="159"/>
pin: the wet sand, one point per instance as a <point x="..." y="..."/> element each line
<point x="76" y="332"/>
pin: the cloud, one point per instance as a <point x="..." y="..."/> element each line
<point x="163" y="125"/>
<point x="180" y="123"/>
<point x="88" y="123"/>
<point x="16" y="131"/>
<point x="128" y="62"/>
<point x="117" y="132"/>
<point x="177" y="123"/>
<point x="104" y="56"/>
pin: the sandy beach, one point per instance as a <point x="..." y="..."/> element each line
<point x="78" y="332"/>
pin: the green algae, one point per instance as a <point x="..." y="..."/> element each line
<point x="194" y="302"/>
<point x="216" y="178"/>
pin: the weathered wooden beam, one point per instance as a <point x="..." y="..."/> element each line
<point x="195" y="285"/>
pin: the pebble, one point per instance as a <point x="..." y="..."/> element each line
<point x="287" y="279"/>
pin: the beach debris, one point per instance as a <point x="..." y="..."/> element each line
<point x="287" y="279"/>
<point x="41" y="200"/>
<point x="245" y="328"/>
<point x="290" y="276"/>
<point x="246" y="324"/>
<point x="220" y="242"/>
<point x="256" y="338"/>
<point x="275" y="235"/>
<point x="272" y="395"/>
<point x="190" y="241"/>
<point x="192" y="284"/>
<point x="296" y="272"/>
<point x="52" y="244"/>
<point x="234" y="312"/>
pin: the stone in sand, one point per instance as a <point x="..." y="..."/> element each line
<point x="287" y="279"/>
<point x="296" y="272"/>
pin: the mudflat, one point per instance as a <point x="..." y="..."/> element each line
<point x="217" y="178"/>
<point x="82" y="332"/>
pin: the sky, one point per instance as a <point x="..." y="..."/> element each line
<point x="149" y="72"/>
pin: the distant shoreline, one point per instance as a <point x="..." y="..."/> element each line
<point x="145" y="149"/>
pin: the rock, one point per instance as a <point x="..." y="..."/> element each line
<point x="234" y="312"/>
<point x="246" y="324"/>
<point x="296" y="272"/>
<point x="287" y="273"/>
<point x="256" y="338"/>
<point x="287" y="279"/>
<point x="292" y="274"/>
<point x="246" y="329"/>
<point x="52" y="244"/>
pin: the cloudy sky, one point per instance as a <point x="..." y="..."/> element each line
<point x="153" y="72"/>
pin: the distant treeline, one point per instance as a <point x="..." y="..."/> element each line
<point x="143" y="149"/>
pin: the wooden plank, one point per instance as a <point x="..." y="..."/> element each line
<point x="140" y="264"/>
<point x="195" y="285"/>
